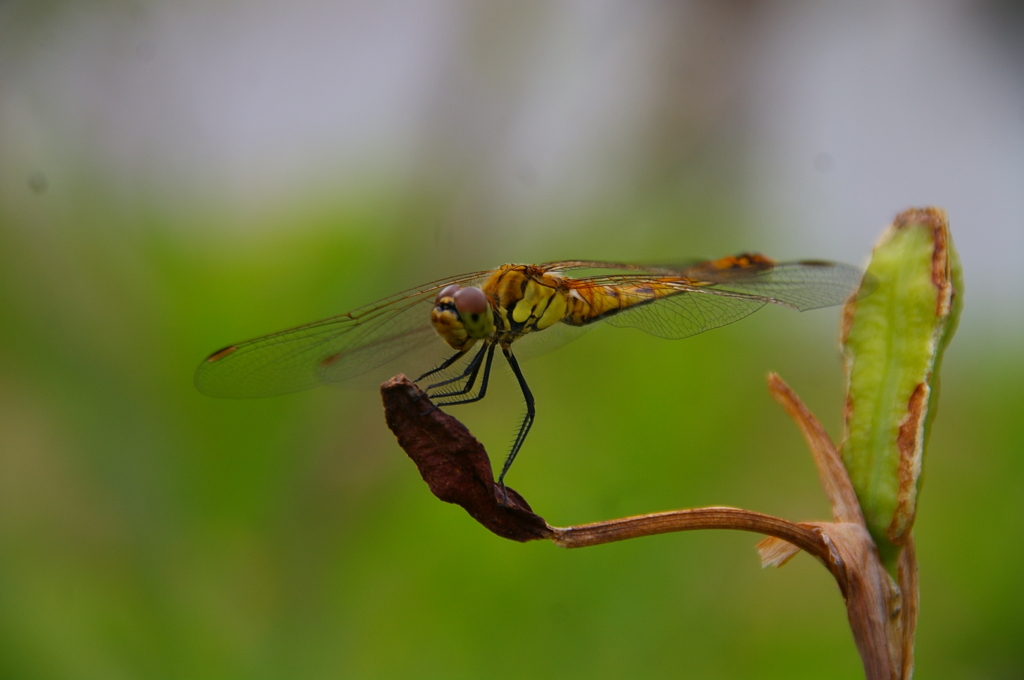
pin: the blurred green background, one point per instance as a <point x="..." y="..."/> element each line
<point x="175" y="177"/>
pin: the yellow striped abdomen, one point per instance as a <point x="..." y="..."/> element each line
<point x="587" y="304"/>
<point x="592" y="301"/>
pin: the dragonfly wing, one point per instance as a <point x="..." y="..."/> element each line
<point x="710" y="296"/>
<point x="686" y="314"/>
<point x="332" y="350"/>
<point x="598" y="265"/>
<point x="535" y="344"/>
<point x="800" y="285"/>
<point x="411" y="346"/>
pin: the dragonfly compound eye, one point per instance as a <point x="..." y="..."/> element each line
<point x="470" y="301"/>
<point x="447" y="292"/>
<point x="475" y="312"/>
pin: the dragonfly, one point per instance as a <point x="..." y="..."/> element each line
<point x="475" y="315"/>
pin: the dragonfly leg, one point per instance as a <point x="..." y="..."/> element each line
<point x="524" y="429"/>
<point x="447" y="362"/>
<point x="472" y="379"/>
<point x="468" y="373"/>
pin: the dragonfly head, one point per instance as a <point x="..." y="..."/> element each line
<point x="461" y="316"/>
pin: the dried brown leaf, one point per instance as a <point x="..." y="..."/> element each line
<point x="454" y="464"/>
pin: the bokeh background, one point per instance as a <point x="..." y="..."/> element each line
<point x="177" y="176"/>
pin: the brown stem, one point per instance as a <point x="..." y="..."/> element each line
<point x="831" y="471"/>
<point x="718" y="517"/>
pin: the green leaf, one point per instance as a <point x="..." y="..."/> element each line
<point x="894" y="336"/>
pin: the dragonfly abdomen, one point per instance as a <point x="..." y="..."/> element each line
<point x="590" y="303"/>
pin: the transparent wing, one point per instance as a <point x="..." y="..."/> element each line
<point x="711" y="296"/>
<point x="533" y="345"/>
<point x="800" y="285"/>
<point x="331" y="350"/>
<point x="648" y="268"/>
<point x="685" y="314"/>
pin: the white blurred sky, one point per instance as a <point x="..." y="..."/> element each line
<point x="842" y="113"/>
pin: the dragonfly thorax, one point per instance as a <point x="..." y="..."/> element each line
<point x="461" y="316"/>
<point x="526" y="299"/>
